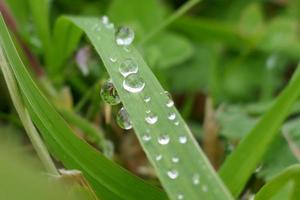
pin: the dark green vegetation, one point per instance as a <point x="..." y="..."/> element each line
<point x="231" y="69"/>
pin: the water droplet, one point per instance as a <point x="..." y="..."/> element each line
<point x="128" y="67"/>
<point x="182" y="139"/>
<point x="173" y="174"/>
<point x="126" y="49"/>
<point x="158" y="157"/>
<point x="146" y="137"/>
<point x="175" y="159"/>
<point x="148" y="111"/>
<point x="151" y="118"/>
<point x="113" y="59"/>
<point x="176" y="123"/>
<point x="124" y="36"/>
<point x="123" y="119"/>
<point x="105" y="21"/>
<point x="170" y="103"/>
<point x="163" y="139"/>
<point x="196" y="179"/>
<point x="180" y="196"/>
<point x="133" y="83"/>
<point x="172" y="116"/>
<point x="109" y="93"/>
<point x="204" y="188"/>
<point x="147" y="99"/>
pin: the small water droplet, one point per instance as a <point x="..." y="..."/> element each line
<point x="126" y="49"/>
<point x="147" y="99"/>
<point x="180" y="196"/>
<point x="204" y="188"/>
<point x="151" y="118"/>
<point x="196" y="179"/>
<point x="109" y="93"/>
<point x="170" y="103"/>
<point x="148" y="111"/>
<point x="158" y="157"/>
<point x="175" y="159"/>
<point x="124" y="36"/>
<point x="173" y="174"/>
<point x="182" y="139"/>
<point x="123" y="119"/>
<point x="163" y="139"/>
<point x="176" y="123"/>
<point x="172" y="116"/>
<point x="105" y="21"/>
<point x="128" y="67"/>
<point x="146" y="137"/>
<point x="113" y="59"/>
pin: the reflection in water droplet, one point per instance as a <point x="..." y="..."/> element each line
<point x="182" y="139"/>
<point x="173" y="174"/>
<point x="128" y="66"/>
<point x="175" y="159"/>
<point x="196" y="179"/>
<point x="151" y="118"/>
<point x="163" y="139"/>
<point x="109" y="93"/>
<point x="172" y="116"/>
<point x="158" y="157"/>
<point x="133" y="83"/>
<point x="180" y="196"/>
<point x="124" y="36"/>
<point x="123" y="119"/>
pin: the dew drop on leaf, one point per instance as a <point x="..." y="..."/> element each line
<point x="124" y="36"/>
<point x="109" y="93"/>
<point x="123" y="119"/>
<point x="151" y="118"/>
<point x="182" y="139"/>
<point x="163" y="139"/>
<point x="158" y="157"/>
<point x="196" y="179"/>
<point x="147" y="99"/>
<point x="113" y="59"/>
<point x="128" y="66"/>
<point x="175" y="159"/>
<point x="172" y="116"/>
<point x="180" y="196"/>
<point x="133" y="83"/>
<point x="176" y="123"/>
<point x="172" y="174"/>
<point x="146" y="137"/>
<point x="170" y="103"/>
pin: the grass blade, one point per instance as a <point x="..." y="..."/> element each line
<point x="110" y="181"/>
<point x="238" y="167"/>
<point x="192" y="160"/>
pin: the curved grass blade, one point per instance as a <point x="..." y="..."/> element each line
<point x="181" y="163"/>
<point x="109" y="181"/>
<point x="290" y="175"/>
<point x="239" y="166"/>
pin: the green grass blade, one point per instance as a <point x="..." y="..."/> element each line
<point x="291" y="174"/>
<point x="239" y="166"/>
<point x="109" y="181"/>
<point x="192" y="160"/>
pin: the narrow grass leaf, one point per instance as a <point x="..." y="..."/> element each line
<point x="239" y="166"/>
<point x="179" y="162"/>
<point x="109" y="181"/>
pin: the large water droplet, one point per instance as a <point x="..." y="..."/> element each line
<point x="173" y="174"/>
<point x="123" y="119"/>
<point x="175" y="159"/>
<point x="128" y="67"/>
<point x="158" y="157"/>
<point x="196" y="179"/>
<point x="109" y="93"/>
<point x="182" y="139"/>
<point x="151" y="118"/>
<point x="180" y="196"/>
<point x="163" y="139"/>
<point x="146" y="137"/>
<point x="172" y="116"/>
<point x="133" y="83"/>
<point x="124" y="36"/>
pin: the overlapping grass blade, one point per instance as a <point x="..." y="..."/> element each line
<point x="192" y="162"/>
<point x="110" y="181"/>
<point x="239" y="166"/>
